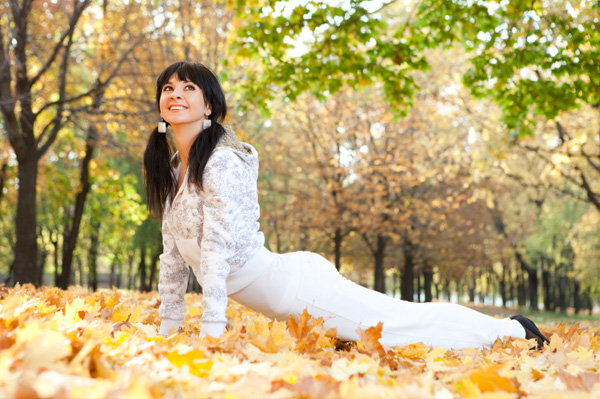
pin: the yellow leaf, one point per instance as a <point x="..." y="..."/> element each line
<point x="194" y="359"/>
<point x="195" y="311"/>
<point x="44" y="347"/>
<point x="122" y="313"/>
<point x="179" y="359"/>
<point x="436" y="354"/>
<point x="489" y="380"/>
<point x="467" y="389"/>
<point x="121" y="336"/>
<point x="72" y="311"/>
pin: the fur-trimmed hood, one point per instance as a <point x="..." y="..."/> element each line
<point x="228" y="140"/>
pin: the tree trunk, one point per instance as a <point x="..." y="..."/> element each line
<point x="503" y="286"/>
<point x="447" y="291"/>
<point x="562" y="294"/>
<point x="589" y="304"/>
<point x="54" y="241"/>
<point x="338" y="248"/>
<point x="79" y="265"/>
<point x="417" y="295"/>
<point x="130" y="283"/>
<point x="3" y="173"/>
<point x="576" y="297"/>
<point x="26" y="266"/>
<point x="154" y="269"/>
<point x="119" y="274"/>
<point x="93" y="258"/>
<point x="43" y="257"/>
<point x="546" y="286"/>
<point x="532" y="278"/>
<point x="379" y="255"/>
<point x="521" y="292"/>
<point x="72" y="231"/>
<point x="113" y="272"/>
<point x="407" y="288"/>
<point x="428" y="280"/>
<point x="142" y="269"/>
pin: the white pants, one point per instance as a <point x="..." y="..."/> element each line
<point x="303" y="280"/>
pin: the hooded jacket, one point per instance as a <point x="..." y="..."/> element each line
<point x="213" y="230"/>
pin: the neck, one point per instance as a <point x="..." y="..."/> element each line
<point x="185" y="134"/>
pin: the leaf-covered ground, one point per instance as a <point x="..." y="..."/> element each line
<point x="60" y="344"/>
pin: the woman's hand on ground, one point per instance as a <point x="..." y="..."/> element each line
<point x="167" y="326"/>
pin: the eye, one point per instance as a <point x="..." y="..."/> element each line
<point x="167" y="88"/>
<point x="190" y="87"/>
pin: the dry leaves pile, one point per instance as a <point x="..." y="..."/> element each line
<point x="59" y="344"/>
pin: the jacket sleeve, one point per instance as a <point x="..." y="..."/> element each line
<point x="172" y="280"/>
<point x="223" y="185"/>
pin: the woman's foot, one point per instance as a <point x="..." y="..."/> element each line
<point x="531" y="330"/>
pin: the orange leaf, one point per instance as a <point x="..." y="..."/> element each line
<point x="489" y="380"/>
<point x="370" y="339"/>
<point x="301" y="328"/>
<point x="582" y="382"/>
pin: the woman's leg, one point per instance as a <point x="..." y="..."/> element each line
<point x="304" y="280"/>
<point x="347" y="306"/>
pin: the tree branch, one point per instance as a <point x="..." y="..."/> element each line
<point x="549" y="162"/>
<point x="368" y="242"/>
<point x="590" y="161"/>
<point x="100" y="85"/>
<point x="524" y="183"/>
<point x="97" y="90"/>
<point x="7" y="101"/>
<point x="52" y="57"/>
<point x="591" y="195"/>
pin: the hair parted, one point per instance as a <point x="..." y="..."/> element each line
<point x="160" y="180"/>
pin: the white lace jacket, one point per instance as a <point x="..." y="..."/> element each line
<point x="214" y="230"/>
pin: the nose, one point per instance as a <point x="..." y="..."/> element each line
<point x="176" y="93"/>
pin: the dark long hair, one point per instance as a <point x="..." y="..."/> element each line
<point x="160" y="179"/>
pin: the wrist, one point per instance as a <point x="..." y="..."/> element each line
<point x="213" y="329"/>
<point x="169" y="326"/>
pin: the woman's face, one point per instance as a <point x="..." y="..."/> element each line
<point x="182" y="102"/>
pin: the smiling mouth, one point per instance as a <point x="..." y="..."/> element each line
<point x="176" y="107"/>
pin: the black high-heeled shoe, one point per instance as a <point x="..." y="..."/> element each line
<point x="531" y="330"/>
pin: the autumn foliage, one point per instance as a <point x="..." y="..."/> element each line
<point x="75" y="343"/>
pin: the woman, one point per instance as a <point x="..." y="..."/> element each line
<point x="207" y="198"/>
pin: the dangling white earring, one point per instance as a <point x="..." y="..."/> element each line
<point x="162" y="126"/>
<point x="206" y="124"/>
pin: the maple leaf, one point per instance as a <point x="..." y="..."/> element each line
<point x="581" y="382"/>
<point x="370" y="339"/>
<point x="310" y="333"/>
<point x="269" y="337"/>
<point x="194" y="359"/>
<point x="117" y="326"/>
<point x="316" y="387"/>
<point x="301" y="328"/>
<point x="490" y="380"/>
<point x="42" y="348"/>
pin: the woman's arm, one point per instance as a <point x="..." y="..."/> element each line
<point x="172" y="284"/>
<point x="225" y="181"/>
